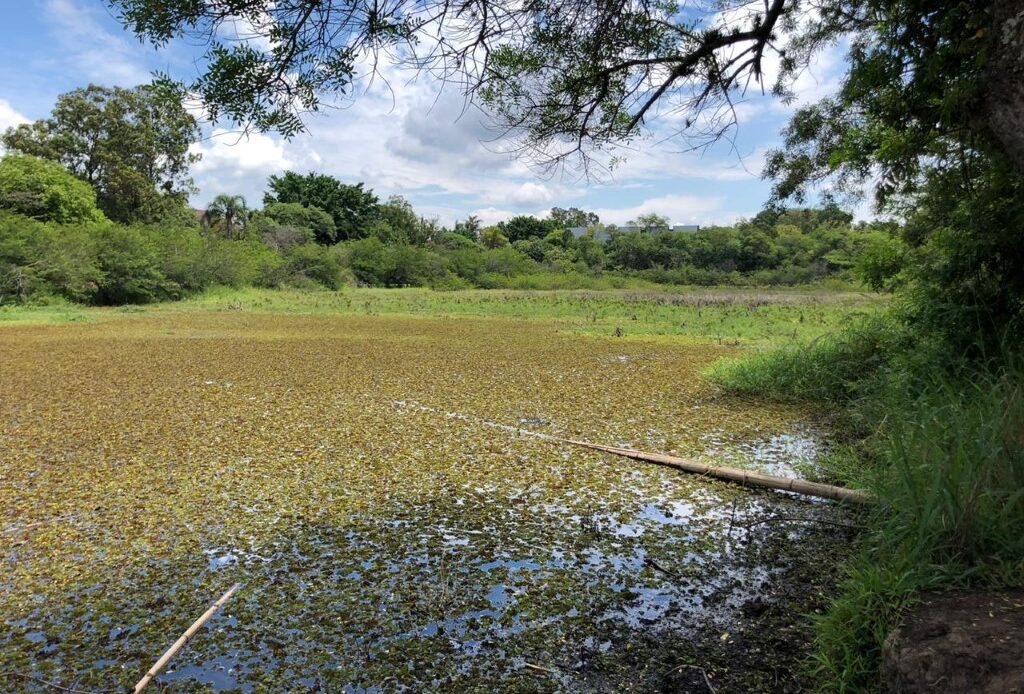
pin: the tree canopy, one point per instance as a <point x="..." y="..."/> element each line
<point x="350" y="206"/>
<point x="566" y="76"/>
<point x="45" y="191"/>
<point x="311" y="217"/>
<point x="130" y="145"/>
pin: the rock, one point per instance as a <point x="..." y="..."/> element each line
<point x="965" y="641"/>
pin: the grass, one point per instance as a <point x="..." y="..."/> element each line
<point x="52" y="312"/>
<point x="832" y="368"/>
<point x="727" y="316"/>
<point x="939" y="442"/>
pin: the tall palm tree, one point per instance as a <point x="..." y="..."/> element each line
<point x="232" y="210"/>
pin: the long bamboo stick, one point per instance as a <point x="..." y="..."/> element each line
<point x="180" y="643"/>
<point x="722" y="472"/>
<point x="732" y="474"/>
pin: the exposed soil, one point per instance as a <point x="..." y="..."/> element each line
<point x="959" y="642"/>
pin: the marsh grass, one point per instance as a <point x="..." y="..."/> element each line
<point x="940" y="441"/>
<point x="725" y="316"/>
<point x="832" y="368"/>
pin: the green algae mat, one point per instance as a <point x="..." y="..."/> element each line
<point x="346" y="471"/>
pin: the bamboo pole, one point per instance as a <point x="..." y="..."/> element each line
<point x="732" y="474"/>
<point x="180" y="643"/>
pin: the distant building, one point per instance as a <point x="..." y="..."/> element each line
<point x="605" y="235"/>
<point x="599" y="234"/>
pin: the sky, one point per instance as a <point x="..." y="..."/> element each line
<point x="405" y="137"/>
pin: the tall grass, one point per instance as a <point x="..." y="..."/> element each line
<point x="941" y="445"/>
<point x="832" y="368"/>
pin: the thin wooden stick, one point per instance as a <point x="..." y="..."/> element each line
<point x="731" y="474"/>
<point x="540" y="668"/>
<point x="707" y="680"/>
<point x="180" y="643"/>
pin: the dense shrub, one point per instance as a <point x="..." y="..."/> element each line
<point x="398" y="265"/>
<point x="312" y="263"/>
<point x="45" y="190"/>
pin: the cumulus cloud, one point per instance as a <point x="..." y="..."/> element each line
<point x="238" y="163"/>
<point x="96" y="53"/>
<point x="9" y="117"/>
<point x="237" y="154"/>
<point x="679" y="208"/>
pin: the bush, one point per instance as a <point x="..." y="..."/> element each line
<point x="46" y="191"/>
<point x="130" y="267"/>
<point x="313" y="263"/>
<point x="295" y="216"/>
<point x="399" y="265"/>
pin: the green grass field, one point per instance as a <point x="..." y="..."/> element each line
<point x="725" y="316"/>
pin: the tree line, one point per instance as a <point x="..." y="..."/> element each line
<point x="93" y="208"/>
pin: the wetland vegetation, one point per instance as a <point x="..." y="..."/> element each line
<point x="330" y="399"/>
<point x="330" y="452"/>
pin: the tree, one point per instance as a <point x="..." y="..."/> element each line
<point x="45" y="191"/>
<point x="491" y="237"/>
<point x="568" y="74"/>
<point x="309" y="217"/>
<point x="523" y="227"/>
<point x="573" y="217"/>
<point x="229" y="210"/>
<point x="130" y="145"/>
<point x="406" y="225"/>
<point x="930" y="114"/>
<point x="650" y="222"/>
<point x="470" y="228"/>
<point x="351" y="207"/>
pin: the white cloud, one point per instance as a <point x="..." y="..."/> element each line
<point x="97" y="54"/>
<point x="679" y="208"/>
<point x="9" y="117"/>
<point x="238" y="164"/>
<point x="237" y="154"/>
<point x="531" y="193"/>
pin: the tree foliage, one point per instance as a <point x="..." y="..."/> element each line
<point x="130" y="145"/>
<point x="523" y="227"/>
<point x="307" y="217"/>
<point x="350" y="206"/>
<point x="45" y="191"/>
<point x="573" y="217"/>
<point x="228" y="214"/>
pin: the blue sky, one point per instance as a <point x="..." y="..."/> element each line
<point x="406" y="139"/>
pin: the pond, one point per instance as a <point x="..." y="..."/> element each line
<point x="347" y="471"/>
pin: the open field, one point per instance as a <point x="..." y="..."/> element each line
<point x="332" y="453"/>
<point x="736" y="316"/>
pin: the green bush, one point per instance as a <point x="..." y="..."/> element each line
<point x="46" y="191"/>
<point x="39" y="259"/>
<point x="313" y="263"/>
<point x="399" y="265"/>
<point x="130" y="266"/>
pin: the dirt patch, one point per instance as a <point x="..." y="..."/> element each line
<point x="959" y="642"/>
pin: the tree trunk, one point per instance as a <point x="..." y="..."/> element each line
<point x="1005" y="94"/>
